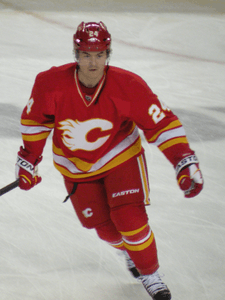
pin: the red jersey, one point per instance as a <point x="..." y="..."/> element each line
<point x="94" y="134"/>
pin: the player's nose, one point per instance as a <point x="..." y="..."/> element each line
<point x="93" y="61"/>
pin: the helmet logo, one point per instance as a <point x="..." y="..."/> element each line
<point x="93" y="33"/>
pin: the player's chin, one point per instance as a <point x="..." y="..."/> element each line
<point x="92" y="74"/>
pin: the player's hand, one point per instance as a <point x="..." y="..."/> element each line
<point x="27" y="169"/>
<point x="189" y="176"/>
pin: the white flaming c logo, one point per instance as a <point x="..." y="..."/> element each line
<point x="74" y="134"/>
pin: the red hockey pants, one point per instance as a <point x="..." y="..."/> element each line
<point x="115" y="206"/>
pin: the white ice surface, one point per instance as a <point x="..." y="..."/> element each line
<point x="45" y="254"/>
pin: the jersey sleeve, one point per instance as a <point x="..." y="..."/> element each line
<point x="160" y="125"/>
<point x="37" y="119"/>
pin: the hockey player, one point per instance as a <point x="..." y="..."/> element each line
<point x="94" y="111"/>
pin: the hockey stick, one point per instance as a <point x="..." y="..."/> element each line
<point x="9" y="187"/>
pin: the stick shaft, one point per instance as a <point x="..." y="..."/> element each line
<point x="9" y="187"/>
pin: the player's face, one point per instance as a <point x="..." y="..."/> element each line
<point x="92" y="66"/>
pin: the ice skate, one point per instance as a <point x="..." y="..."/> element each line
<point x="131" y="266"/>
<point x="155" y="287"/>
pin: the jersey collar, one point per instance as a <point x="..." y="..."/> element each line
<point x="97" y="91"/>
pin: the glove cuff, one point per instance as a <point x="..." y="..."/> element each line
<point x="26" y="165"/>
<point x="191" y="159"/>
<point x="27" y="161"/>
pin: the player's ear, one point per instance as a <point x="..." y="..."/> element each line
<point x="76" y="54"/>
<point x="108" y="52"/>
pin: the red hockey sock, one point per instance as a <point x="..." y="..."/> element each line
<point x="108" y="232"/>
<point x="141" y="247"/>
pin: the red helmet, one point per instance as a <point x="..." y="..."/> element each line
<point x="92" y="37"/>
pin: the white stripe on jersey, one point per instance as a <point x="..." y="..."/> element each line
<point x="33" y="129"/>
<point x="167" y="135"/>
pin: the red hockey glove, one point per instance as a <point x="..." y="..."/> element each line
<point x="27" y="169"/>
<point x="189" y="176"/>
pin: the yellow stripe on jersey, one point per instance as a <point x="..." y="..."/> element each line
<point x="181" y="140"/>
<point x="57" y="151"/>
<point x="35" y="137"/>
<point x="104" y="167"/>
<point x="172" y="125"/>
<point x="34" y="123"/>
<point x="80" y="164"/>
